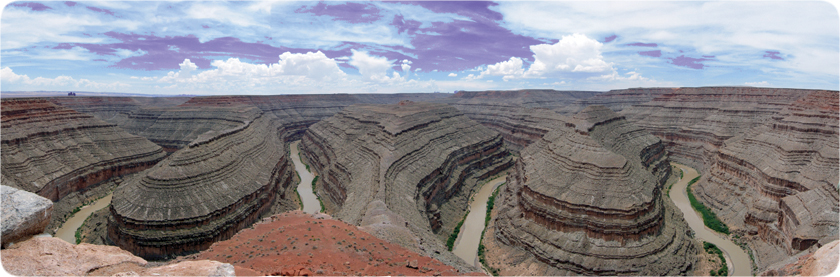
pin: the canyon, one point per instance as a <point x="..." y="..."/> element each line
<point x="585" y="173"/>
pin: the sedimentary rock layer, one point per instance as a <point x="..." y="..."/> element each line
<point x="298" y="112"/>
<point x="53" y="151"/>
<point x="585" y="199"/>
<point x="219" y="183"/>
<point x="521" y="116"/>
<point x="778" y="181"/>
<point x="24" y="214"/>
<point x="616" y="100"/>
<point x="422" y="160"/>
<point x="114" y="109"/>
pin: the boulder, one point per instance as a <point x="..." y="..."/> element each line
<point x="24" y="214"/>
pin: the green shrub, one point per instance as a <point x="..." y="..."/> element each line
<point x="709" y="218"/>
<point x="450" y="243"/>
<point x="713" y="249"/>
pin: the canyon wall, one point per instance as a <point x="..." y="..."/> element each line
<point x="520" y="116"/>
<point x="219" y="183"/>
<point x="114" y="109"/>
<point x="586" y="199"/>
<point x="422" y="161"/>
<point x="616" y="100"/>
<point x="53" y="151"/>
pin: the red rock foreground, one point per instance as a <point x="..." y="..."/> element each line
<point x="295" y="243"/>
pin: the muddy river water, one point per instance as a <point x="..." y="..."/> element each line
<point x="466" y="247"/>
<point x="738" y="262"/>
<point x="67" y="231"/>
<point x="310" y="201"/>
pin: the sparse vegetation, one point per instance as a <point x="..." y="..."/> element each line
<point x="713" y="249"/>
<point x="709" y="218"/>
<point x="491" y="202"/>
<point x="450" y="243"/>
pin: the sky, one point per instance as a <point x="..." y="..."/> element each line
<point x="285" y="47"/>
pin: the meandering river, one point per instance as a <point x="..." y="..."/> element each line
<point x="310" y="201"/>
<point x="67" y="231"/>
<point x="738" y="262"/>
<point x="466" y="246"/>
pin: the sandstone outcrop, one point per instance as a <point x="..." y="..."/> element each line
<point x="53" y="151"/>
<point x="776" y="183"/>
<point x="422" y="160"/>
<point x="823" y="262"/>
<point x="586" y="199"/>
<point x="24" y="214"/>
<point x="295" y="244"/>
<point x="55" y="257"/>
<point x="521" y="116"/>
<point x="221" y="182"/>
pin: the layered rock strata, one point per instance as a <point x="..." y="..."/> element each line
<point x="422" y="160"/>
<point x="777" y="182"/>
<point x="586" y="199"/>
<point x="298" y="112"/>
<point x="616" y="100"/>
<point x="115" y="109"/>
<point x="219" y="183"/>
<point x="521" y="116"/>
<point x="53" y="151"/>
<point x="24" y="214"/>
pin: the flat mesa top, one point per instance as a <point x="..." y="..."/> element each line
<point x="401" y="109"/>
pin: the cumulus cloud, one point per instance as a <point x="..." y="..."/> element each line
<point x="452" y="75"/>
<point x="299" y="67"/>
<point x="510" y="69"/>
<point x="373" y="68"/>
<point x="573" y="53"/>
<point x="23" y="82"/>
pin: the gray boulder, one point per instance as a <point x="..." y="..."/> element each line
<point x="24" y="214"/>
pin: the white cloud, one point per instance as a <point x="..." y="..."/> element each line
<point x="373" y="68"/>
<point x="452" y="75"/>
<point x="757" y="84"/>
<point x="22" y="82"/>
<point x="406" y="66"/>
<point x="573" y="53"/>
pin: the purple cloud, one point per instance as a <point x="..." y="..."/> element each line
<point x="461" y="44"/>
<point x="710" y="57"/>
<point x="101" y="10"/>
<point x="205" y="26"/>
<point x="642" y="44"/>
<point x="610" y="38"/>
<point x="32" y="5"/>
<point x="682" y="60"/>
<point x="349" y="12"/>
<point x="654" y="53"/>
<point x="167" y="52"/>
<point x="69" y="3"/>
<point x="774" y="55"/>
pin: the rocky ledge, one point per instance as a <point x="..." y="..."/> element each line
<point x="114" y="109"/>
<point x="53" y="151"/>
<point x="221" y="182"/>
<point x="421" y="161"/>
<point x="586" y="199"/>
<point x="299" y="244"/>
<point x="25" y="214"/>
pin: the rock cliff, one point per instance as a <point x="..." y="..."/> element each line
<point x="586" y="199"/>
<point x="114" y="109"/>
<point x="776" y="183"/>
<point x="221" y="182"/>
<point x="521" y="116"/>
<point x="53" y="151"/>
<point x="24" y="214"/>
<point x="422" y="160"/>
<point x="616" y="100"/>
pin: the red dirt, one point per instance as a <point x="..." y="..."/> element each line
<point x="295" y="243"/>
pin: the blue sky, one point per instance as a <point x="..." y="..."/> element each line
<point x="384" y="47"/>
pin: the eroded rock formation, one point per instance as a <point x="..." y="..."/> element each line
<point x="53" y="151"/>
<point x="521" y="116"/>
<point x="24" y="214"/>
<point x="616" y="100"/>
<point x="586" y="199"/>
<point x="114" y="109"/>
<point x="776" y="183"/>
<point x="422" y="160"/>
<point x="221" y="182"/>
